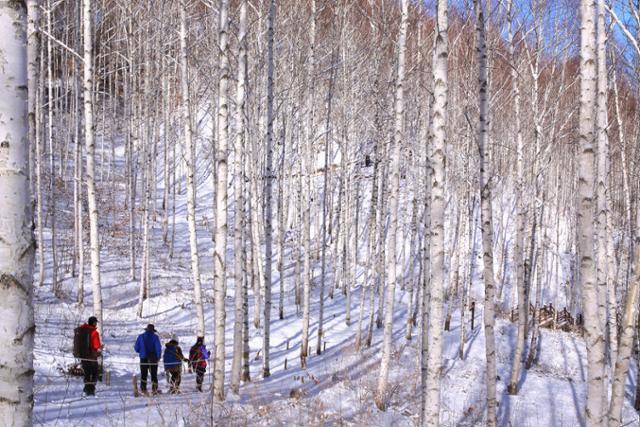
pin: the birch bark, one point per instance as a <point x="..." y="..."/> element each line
<point x="486" y="218"/>
<point x="220" y="247"/>
<point x="89" y="137"/>
<point x="523" y="303"/>
<point x="593" y="328"/>
<point x="238" y="194"/>
<point x="16" y="237"/>
<point x="438" y="135"/>
<point x="394" y="196"/>
<point x="191" y="171"/>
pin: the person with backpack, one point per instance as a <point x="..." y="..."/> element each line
<point x="87" y="347"/>
<point x="198" y="356"/>
<point x="173" y="359"/>
<point x="149" y="348"/>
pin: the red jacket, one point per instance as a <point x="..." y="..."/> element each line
<point x="94" y="338"/>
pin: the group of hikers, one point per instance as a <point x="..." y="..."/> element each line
<point x="88" y="348"/>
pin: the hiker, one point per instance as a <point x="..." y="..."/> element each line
<point x="87" y="347"/>
<point x="198" y="356"/>
<point x="149" y="348"/>
<point x="173" y="359"/>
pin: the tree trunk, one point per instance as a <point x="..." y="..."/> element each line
<point x="220" y="247"/>
<point x="16" y="236"/>
<point x="239" y="284"/>
<point x="52" y="172"/>
<point x="191" y="172"/>
<point x="603" y="275"/>
<point x="326" y="229"/>
<point x="593" y="329"/>
<point x="394" y="201"/>
<point x="626" y="344"/>
<point x="438" y="134"/>
<point x="36" y="78"/>
<point x="486" y="218"/>
<point x="523" y="301"/>
<point x="89" y="138"/>
<point x="308" y="272"/>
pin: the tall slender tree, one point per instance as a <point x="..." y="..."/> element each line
<point x="394" y="196"/>
<point x="268" y="233"/>
<point x="16" y="236"/>
<point x="89" y="138"/>
<point x="190" y="158"/>
<point x="437" y="156"/>
<point x="593" y="328"/>
<point x="523" y="302"/>
<point x="486" y="214"/>
<point x="220" y="248"/>
<point x="239" y="282"/>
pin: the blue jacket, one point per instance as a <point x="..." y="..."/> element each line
<point x="148" y="346"/>
<point x="173" y="356"/>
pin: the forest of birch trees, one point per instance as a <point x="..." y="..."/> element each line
<point x="330" y="150"/>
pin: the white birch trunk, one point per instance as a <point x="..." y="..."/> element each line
<point x="326" y="212"/>
<point x="240" y="284"/>
<point x="220" y="248"/>
<point x="16" y="236"/>
<point x="191" y="171"/>
<point x="593" y="329"/>
<point x="52" y="177"/>
<point x="626" y="344"/>
<point x="308" y="272"/>
<point x="438" y="135"/>
<point x="36" y="83"/>
<point x="89" y="137"/>
<point x="394" y="201"/>
<point x="268" y="232"/>
<point x="523" y="302"/>
<point x="604" y="283"/>
<point x="486" y="218"/>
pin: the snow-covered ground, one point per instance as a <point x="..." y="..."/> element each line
<point x="337" y="386"/>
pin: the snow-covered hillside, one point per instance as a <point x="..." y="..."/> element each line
<point x="335" y="389"/>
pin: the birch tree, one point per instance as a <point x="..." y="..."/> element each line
<point x="437" y="151"/>
<point x="190" y="158"/>
<point x="238" y="193"/>
<point x="606" y="300"/>
<point x="308" y="272"/>
<point x="89" y="138"/>
<point x="486" y="216"/>
<point x="220" y="248"/>
<point x="268" y="233"/>
<point x="629" y="320"/>
<point x="394" y="196"/>
<point x="587" y="275"/>
<point x="523" y="302"/>
<point x="16" y="237"/>
<point x="36" y="82"/>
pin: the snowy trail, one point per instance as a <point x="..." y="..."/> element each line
<point x="337" y="387"/>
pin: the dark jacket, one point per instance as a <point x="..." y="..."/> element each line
<point x="148" y="346"/>
<point x="173" y="356"/>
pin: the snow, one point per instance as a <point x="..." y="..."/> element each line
<point x="337" y="386"/>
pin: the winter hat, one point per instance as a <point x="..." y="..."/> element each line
<point x="174" y="338"/>
<point x="93" y="320"/>
<point x="151" y="328"/>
